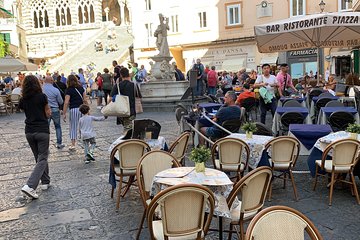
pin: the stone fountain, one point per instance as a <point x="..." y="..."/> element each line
<point x="162" y="92"/>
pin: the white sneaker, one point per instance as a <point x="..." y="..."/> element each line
<point x="44" y="187"/>
<point x="29" y="191"/>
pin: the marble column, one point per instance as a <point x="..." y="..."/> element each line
<point x="122" y="12"/>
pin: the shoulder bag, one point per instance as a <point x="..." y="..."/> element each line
<point x="119" y="108"/>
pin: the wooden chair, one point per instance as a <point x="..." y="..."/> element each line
<point x="149" y="165"/>
<point x="280" y="222"/>
<point x="129" y="154"/>
<point x="178" y="148"/>
<point x="14" y="101"/>
<point x="4" y="107"/>
<point x="284" y="153"/>
<point x="344" y="158"/>
<point x="230" y="154"/>
<point x="253" y="188"/>
<point x="182" y="210"/>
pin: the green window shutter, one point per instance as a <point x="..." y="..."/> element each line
<point x="7" y="37"/>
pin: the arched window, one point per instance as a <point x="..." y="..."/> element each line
<point x="57" y="17"/>
<point x="63" y="7"/>
<point x="68" y="16"/>
<point x="36" y="25"/>
<point x="80" y="14"/>
<point x="92" y="15"/>
<point x="40" y="14"/>
<point x="86" y="10"/>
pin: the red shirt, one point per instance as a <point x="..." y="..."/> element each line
<point x="212" y="78"/>
<point x="244" y="95"/>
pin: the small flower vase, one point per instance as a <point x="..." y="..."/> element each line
<point x="249" y="135"/>
<point x="354" y="136"/>
<point x="200" y="167"/>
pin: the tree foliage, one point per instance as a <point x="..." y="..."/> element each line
<point x="4" y="48"/>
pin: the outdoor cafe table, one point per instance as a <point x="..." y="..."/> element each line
<point x="325" y="112"/>
<point x="313" y="102"/>
<point x="321" y="144"/>
<point x="210" y="107"/>
<point x="301" y="100"/>
<point x="155" y="144"/>
<point x="308" y="134"/>
<point x="281" y="110"/>
<point x="257" y="145"/>
<point x="217" y="181"/>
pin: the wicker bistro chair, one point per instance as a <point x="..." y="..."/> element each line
<point x="344" y="158"/>
<point x="15" y="99"/>
<point x="230" y="155"/>
<point x="263" y="130"/>
<point x="284" y="153"/>
<point x="253" y="188"/>
<point x="340" y="120"/>
<point x="149" y="165"/>
<point x="182" y="210"/>
<point x="334" y="103"/>
<point x="129" y="154"/>
<point x="4" y="106"/>
<point x="280" y="222"/>
<point x="178" y="148"/>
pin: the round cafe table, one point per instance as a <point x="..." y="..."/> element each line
<point x="217" y="181"/>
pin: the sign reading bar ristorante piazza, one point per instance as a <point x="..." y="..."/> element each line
<point x="318" y="30"/>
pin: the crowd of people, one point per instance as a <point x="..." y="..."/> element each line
<point x="54" y="97"/>
<point x="265" y="88"/>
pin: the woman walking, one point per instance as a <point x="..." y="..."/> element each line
<point x="37" y="111"/>
<point x="74" y="97"/>
<point x="107" y="84"/>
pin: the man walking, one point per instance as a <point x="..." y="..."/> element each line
<point x="267" y="84"/>
<point x="55" y="101"/>
<point x="284" y="81"/>
<point x="82" y="78"/>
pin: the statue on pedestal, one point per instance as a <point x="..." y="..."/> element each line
<point x="162" y="69"/>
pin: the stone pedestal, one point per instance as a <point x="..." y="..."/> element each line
<point x="162" y="70"/>
<point x="162" y="95"/>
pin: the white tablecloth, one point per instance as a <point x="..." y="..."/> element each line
<point x="218" y="182"/>
<point x="155" y="144"/>
<point x="256" y="144"/>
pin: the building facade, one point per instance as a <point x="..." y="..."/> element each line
<point x="221" y="32"/>
<point x="54" y="27"/>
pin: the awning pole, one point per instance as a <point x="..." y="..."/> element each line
<point x="318" y="67"/>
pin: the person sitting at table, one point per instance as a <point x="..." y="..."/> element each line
<point x="229" y="111"/>
<point x="284" y="81"/>
<point x="331" y="84"/>
<point x="18" y="89"/>
<point x="245" y="94"/>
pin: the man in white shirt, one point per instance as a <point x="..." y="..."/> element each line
<point x="270" y="83"/>
<point x="18" y="89"/>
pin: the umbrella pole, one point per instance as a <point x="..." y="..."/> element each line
<point x="318" y="66"/>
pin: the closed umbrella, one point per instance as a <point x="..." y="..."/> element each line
<point x="323" y="30"/>
<point x="10" y="64"/>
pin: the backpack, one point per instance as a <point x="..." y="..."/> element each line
<point x="139" y="76"/>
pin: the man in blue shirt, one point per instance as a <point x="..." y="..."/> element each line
<point x="82" y="78"/>
<point x="229" y="111"/>
<point x="54" y="100"/>
<point x="63" y="78"/>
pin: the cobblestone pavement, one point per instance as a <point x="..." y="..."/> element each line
<point x="78" y="203"/>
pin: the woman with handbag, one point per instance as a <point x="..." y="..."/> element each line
<point x="127" y="88"/>
<point x="74" y="97"/>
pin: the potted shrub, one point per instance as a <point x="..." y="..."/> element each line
<point x="199" y="156"/>
<point x="249" y="128"/>
<point x="354" y="130"/>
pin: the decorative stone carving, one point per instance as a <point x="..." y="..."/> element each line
<point x="162" y="69"/>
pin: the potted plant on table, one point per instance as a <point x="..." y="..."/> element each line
<point x="249" y="128"/>
<point x="354" y="130"/>
<point x="200" y="155"/>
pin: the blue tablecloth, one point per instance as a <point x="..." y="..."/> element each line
<point x="209" y="107"/>
<point x="308" y="134"/>
<point x="332" y="98"/>
<point x="281" y="110"/>
<point x="329" y="110"/>
<point x="300" y="100"/>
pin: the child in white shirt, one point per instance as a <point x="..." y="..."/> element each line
<point x="87" y="132"/>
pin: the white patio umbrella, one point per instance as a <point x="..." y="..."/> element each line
<point x="10" y="64"/>
<point x="323" y="30"/>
